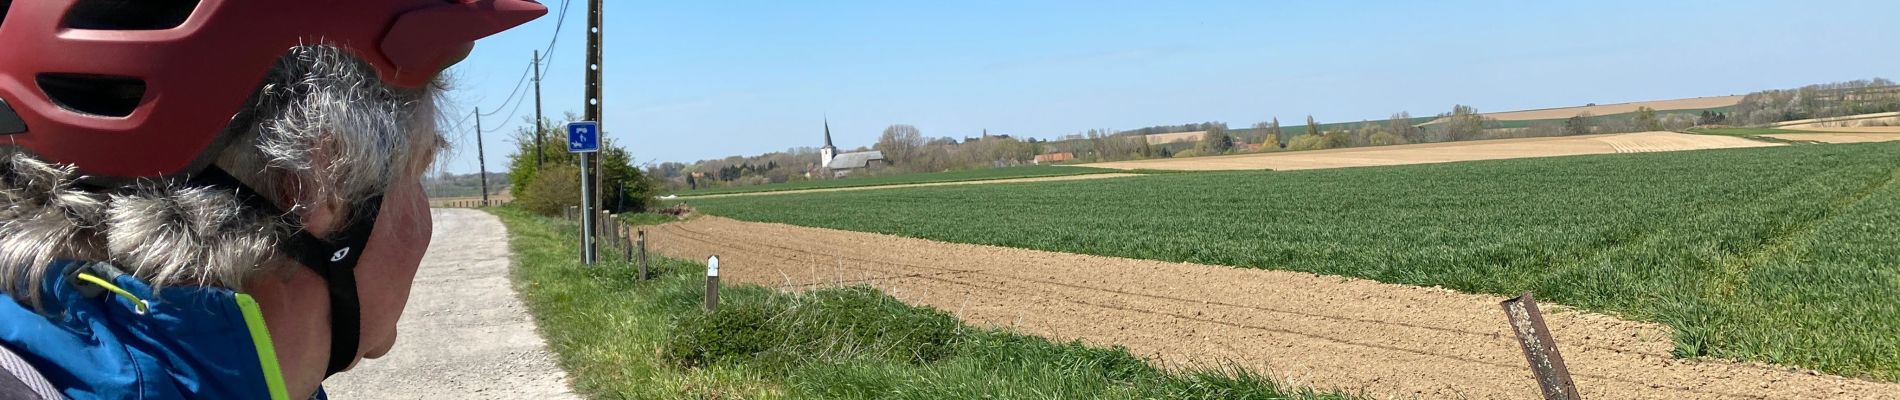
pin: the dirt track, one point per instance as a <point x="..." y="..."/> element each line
<point x="910" y="185"/>
<point x="1321" y="331"/>
<point x="1446" y="152"/>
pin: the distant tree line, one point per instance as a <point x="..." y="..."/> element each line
<point x="909" y="150"/>
<point x="1829" y="100"/>
<point x="906" y="150"/>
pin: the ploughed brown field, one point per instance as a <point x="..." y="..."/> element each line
<point x="1321" y="331"/>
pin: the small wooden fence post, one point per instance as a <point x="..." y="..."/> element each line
<point x="1540" y="349"/>
<point x="641" y="243"/>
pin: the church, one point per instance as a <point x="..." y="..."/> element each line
<point x="832" y="164"/>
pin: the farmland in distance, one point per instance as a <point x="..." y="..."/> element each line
<point x="1783" y="255"/>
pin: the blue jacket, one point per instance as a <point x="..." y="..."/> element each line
<point x="103" y="334"/>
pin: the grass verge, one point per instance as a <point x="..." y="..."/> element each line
<point x="619" y="338"/>
<point x="983" y="174"/>
<point x="1784" y="255"/>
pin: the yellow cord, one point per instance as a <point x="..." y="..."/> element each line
<point x="115" y="290"/>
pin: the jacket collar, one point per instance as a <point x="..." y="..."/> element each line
<point x="92" y="341"/>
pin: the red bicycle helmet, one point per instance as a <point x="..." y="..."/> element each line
<point x="143" y="88"/>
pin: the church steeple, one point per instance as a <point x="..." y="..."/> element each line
<point x="828" y="134"/>
<point x="826" y="153"/>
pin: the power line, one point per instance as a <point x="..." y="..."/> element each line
<point x="511" y="115"/>
<point x="549" y="53"/>
<point x="512" y="94"/>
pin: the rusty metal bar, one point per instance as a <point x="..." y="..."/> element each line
<point x="1540" y="349"/>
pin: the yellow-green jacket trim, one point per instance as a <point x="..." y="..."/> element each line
<point x="266" y="352"/>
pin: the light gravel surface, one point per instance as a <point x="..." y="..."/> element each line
<point x="1392" y="341"/>
<point x="464" y="334"/>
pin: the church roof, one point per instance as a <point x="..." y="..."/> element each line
<point x="855" y="160"/>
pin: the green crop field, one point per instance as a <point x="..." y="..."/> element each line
<point x="1787" y="255"/>
<point x="622" y="338"/>
<point x="984" y="174"/>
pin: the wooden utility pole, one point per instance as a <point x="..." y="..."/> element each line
<point x="538" y="119"/>
<point x="592" y="106"/>
<point x="481" y="156"/>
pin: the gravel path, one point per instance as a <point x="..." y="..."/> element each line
<point x="464" y="334"/>
<point x="1322" y="331"/>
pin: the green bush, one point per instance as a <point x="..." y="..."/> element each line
<point x="560" y="189"/>
<point x="1307" y="142"/>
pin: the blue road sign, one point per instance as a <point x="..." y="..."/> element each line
<point x="583" y="137"/>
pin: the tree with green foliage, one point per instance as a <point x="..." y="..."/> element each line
<point x="1646" y="119"/>
<point x="1710" y="118"/>
<point x="624" y="188"/>
<point x="1312" y="127"/>
<point x="1577" y="125"/>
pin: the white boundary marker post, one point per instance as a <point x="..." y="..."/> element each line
<point x="712" y="284"/>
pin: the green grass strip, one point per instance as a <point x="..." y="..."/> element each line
<point x="619" y="338"/>
<point x="1787" y="255"/>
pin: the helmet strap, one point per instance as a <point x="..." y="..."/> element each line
<point x="333" y="258"/>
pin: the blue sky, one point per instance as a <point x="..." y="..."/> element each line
<point x="690" y="80"/>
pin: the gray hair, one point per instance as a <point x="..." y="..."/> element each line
<point x="324" y="132"/>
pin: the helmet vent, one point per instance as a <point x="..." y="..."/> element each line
<point x="107" y="96"/>
<point x="4" y="6"/>
<point x="129" y="15"/>
<point x="10" y="122"/>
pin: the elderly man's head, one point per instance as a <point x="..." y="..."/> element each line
<point x="321" y="137"/>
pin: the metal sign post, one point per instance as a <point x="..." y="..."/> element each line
<point x="584" y="137"/>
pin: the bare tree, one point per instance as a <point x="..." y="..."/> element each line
<point x="1401" y="125"/>
<point x="900" y="143"/>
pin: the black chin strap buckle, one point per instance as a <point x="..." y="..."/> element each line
<point x="333" y="258"/>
